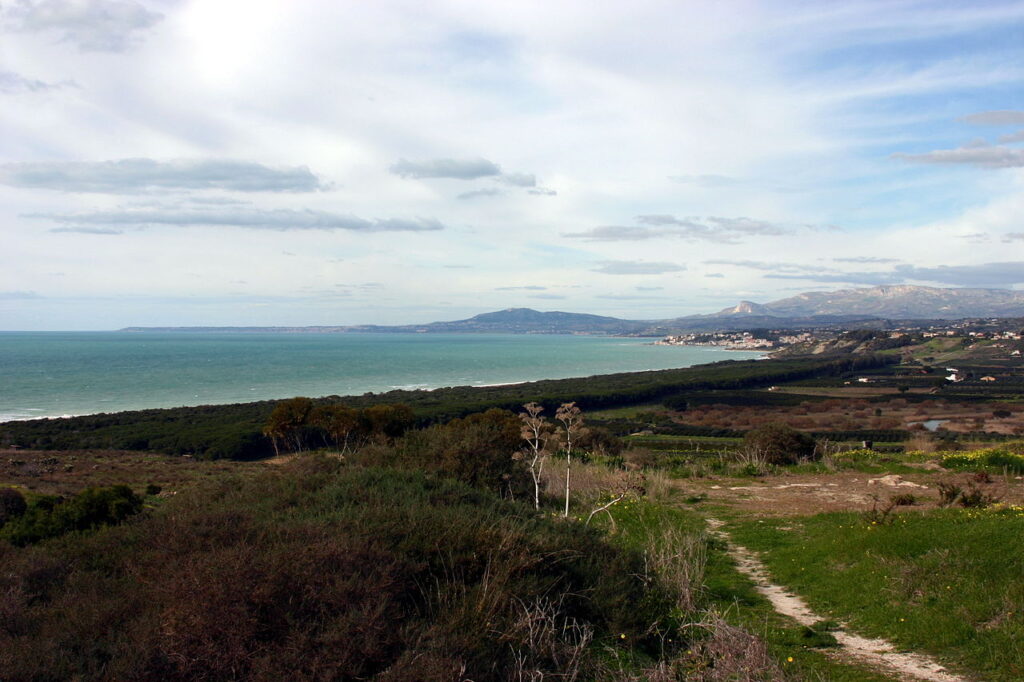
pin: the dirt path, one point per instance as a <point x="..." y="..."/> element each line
<point x="876" y="653"/>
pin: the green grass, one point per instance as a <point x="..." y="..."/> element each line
<point x="948" y="582"/>
<point x="731" y="593"/>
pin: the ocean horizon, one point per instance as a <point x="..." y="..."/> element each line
<point x="63" y="374"/>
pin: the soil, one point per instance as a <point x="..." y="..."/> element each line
<point x="806" y="494"/>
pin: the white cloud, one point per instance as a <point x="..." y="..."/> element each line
<point x="982" y="156"/>
<point x="126" y="176"/>
<point x="620" y="267"/>
<point x="284" y="220"/>
<point x="458" y="169"/>
<point x="91" y="25"/>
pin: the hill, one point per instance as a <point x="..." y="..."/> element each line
<point x="816" y="309"/>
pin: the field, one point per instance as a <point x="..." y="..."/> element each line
<point x="382" y="544"/>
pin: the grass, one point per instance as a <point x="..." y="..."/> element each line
<point x="946" y="582"/>
<point x="800" y="653"/>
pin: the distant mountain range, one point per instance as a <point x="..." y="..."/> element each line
<point x="812" y="309"/>
<point x="902" y="301"/>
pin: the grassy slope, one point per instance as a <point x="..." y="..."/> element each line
<point x="950" y="583"/>
<point x="727" y="591"/>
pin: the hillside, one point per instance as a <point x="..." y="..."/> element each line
<point x="845" y="308"/>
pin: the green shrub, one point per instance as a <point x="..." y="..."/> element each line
<point x="12" y="504"/>
<point x="320" y="570"/>
<point x="779" y="444"/>
<point x="479" y="450"/>
<point x="48" y="517"/>
<point x="1006" y="457"/>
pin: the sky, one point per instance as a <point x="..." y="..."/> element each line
<point x="303" y="162"/>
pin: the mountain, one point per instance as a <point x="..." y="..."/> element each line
<point x="903" y="301"/>
<point x="849" y="308"/>
<point x="529" y="321"/>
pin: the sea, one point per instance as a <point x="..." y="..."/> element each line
<point x="59" y="374"/>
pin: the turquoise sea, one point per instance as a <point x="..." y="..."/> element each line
<point x="52" y="374"/>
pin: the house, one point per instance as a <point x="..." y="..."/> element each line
<point x="988" y="378"/>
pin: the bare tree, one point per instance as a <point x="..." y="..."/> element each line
<point x="535" y="433"/>
<point x="571" y="419"/>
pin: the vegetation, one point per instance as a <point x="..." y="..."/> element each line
<point x="236" y="431"/>
<point x="325" y="570"/>
<point x="47" y="517"/>
<point x="938" y="582"/>
<point x="779" y="444"/>
<point x="1009" y="457"/>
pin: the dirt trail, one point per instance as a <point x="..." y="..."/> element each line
<point x="877" y="653"/>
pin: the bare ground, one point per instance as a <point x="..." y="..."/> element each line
<point x="806" y="494"/>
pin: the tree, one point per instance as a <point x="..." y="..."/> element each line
<point x="535" y="431"/>
<point x="286" y="422"/>
<point x="341" y="424"/>
<point x="571" y="419"/>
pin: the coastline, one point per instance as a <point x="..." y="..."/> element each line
<point x="65" y="375"/>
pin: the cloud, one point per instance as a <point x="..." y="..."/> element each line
<point x="869" y="278"/>
<point x="87" y="230"/>
<point x="542" y="191"/>
<point x="982" y="275"/>
<point x="716" y="275"/>
<point x="866" y="259"/>
<point x="519" y="179"/>
<point x="250" y="218"/>
<point x="615" y="233"/>
<point x="548" y="297"/>
<point x="995" y="118"/>
<point x="983" y="157"/>
<point x="707" y="181"/>
<point x="623" y="267"/>
<point x="458" y="169"/>
<point x="1012" y="137"/>
<point x="477" y="193"/>
<point x="525" y="288"/>
<point x="126" y="176"/>
<point x="649" y="288"/>
<point x="712" y="228"/>
<point x="799" y="271"/>
<point x="627" y="297"/>
<point x="18" y="295"/>
<point x="1013" y="236"/>
<point x="13" y="84"/>
<point x="92" y="25"/>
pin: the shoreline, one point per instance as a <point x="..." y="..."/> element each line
<point x="11" y="419"/>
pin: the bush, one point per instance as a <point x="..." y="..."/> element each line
<point x="998" y="459"/>
<point x="12" y="504"/>
<point x="479" y="449"/>
<point x="48" y="517"/>
<point x="318" y="570"/>
<point x="779" y="444"/>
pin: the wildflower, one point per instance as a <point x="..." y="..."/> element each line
<point x="789" y="659"/>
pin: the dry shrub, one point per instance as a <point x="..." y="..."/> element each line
<point x="587" y="482"/>
<point x="922" y="442"/>
<point x="726" y="653"/>
<point x="679" y="559"/>
<point x="660" y="487"/>
<point x="731" y="653"/>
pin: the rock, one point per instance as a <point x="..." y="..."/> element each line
<point x="894" y="481"/>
